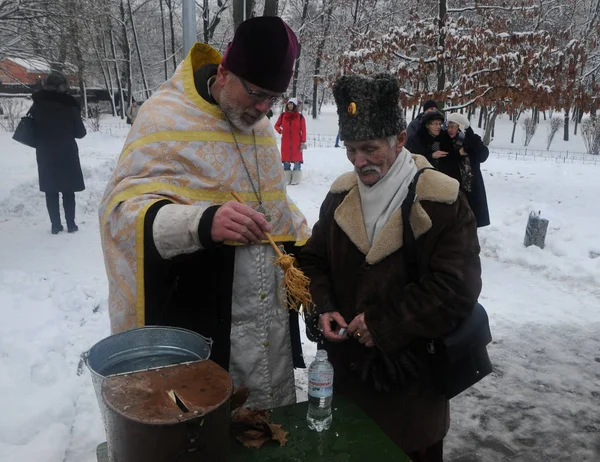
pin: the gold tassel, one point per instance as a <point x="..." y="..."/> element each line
<point x="295" y="283"/>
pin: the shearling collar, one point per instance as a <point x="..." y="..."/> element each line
<point x="432" y="186"/>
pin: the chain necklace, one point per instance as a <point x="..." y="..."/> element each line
<point x="257" y="190"/>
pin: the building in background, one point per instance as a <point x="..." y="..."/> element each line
<point x="29" y="72"/>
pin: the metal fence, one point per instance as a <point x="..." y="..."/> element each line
<point x="115" y="128"/>
<point x="319" y="140"/>
<point x="562" y="157"/>
<point x="328" y="141"/>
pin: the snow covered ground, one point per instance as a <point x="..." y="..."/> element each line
<point x="541" y="403"/>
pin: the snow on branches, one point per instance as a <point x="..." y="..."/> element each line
<point x="486" y="56"/>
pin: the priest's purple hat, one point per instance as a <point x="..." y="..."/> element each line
<point x="263" y="52"/>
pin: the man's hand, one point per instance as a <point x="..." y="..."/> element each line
<point x="439" y="154"/>
<point x="462" y="152"/>
<point x="302" y="146"/>
<point x="325" y="321"/>
<point x="360" y="331"/>
<point x="240" y="223"/>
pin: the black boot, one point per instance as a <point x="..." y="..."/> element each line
<point x="54" y="212"/>
<point x="69" y="206"/>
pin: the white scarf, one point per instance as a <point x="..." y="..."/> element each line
<point x="382" y="199"/>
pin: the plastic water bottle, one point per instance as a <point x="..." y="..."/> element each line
<point x="320" y="393"/>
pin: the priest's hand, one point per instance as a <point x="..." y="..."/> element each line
<point x="240" y="223"/>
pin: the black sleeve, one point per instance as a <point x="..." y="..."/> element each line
<point x="79" y="130"/>
<point x="474" y="146"/>
<point x="205" y="227"/>
<point x="150" y="250"/>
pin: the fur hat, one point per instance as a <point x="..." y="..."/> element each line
<point x="294" y="101"/>
<point x="263" y="52"/>
<point x="431" y="116"/>
<point x="368" y="107"/>
<point x="460" y="119"/>
<point x="429" y="104"/>
<point x="56" y="81"/>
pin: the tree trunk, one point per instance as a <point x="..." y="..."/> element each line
<point x="322" y="99"/>
<point x="515" y="120"/>
<point x="83" y="90"/>
<point x="103" y="67"/>
<point x="414" y="112"/>
<point x="126" y="54"/>
<point x="238" y="11"/>
<point x="577" y="120"/>
<point x="117" y="71"/>
<point x="137" y="48"/>
<point x="164" y="39"/>
<point x="355" y="11"/>
<point x="481" y="113"/>
<point x="271" y="8"/>
<point x="566" y="130"/>
<point x="172" y="24"/>
<point x="439" y="65"/>
<point x="489" y="126"/>
<point x="320" y="50"/>
<point x="301" y="37"/>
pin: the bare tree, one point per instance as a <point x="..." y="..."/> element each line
<point x="209" y="24"/>
<point x="238" y="11"/>
<point x="137" y="47"/>
<point x="271" y="8"/>
<point x="328" y="10"/>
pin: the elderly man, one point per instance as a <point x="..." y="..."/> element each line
<point x="362" y="280"/>
<point x="178" y="250"/>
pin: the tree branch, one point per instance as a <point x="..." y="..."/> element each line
<point x="492" y="7"/>
<point x="414" y="60"/>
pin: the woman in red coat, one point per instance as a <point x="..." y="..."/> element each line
<point x="292" y="127"/>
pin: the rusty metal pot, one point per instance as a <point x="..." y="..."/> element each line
<point x="176" y="413"/>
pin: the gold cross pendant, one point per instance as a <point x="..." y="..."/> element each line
<point x="262" y="210"/>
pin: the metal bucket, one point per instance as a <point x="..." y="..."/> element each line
<point x="141" y="349"/>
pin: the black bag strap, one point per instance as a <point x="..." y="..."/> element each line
<point x="408" y="238"/>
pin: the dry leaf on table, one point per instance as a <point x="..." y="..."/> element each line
<point x="253" y="428"/>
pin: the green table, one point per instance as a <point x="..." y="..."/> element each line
<point x="353" y="437"/>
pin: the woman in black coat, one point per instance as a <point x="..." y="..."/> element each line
<point x="57" y="122"/>
<point x="428" y="140"/>
<point x="463" y="163"/>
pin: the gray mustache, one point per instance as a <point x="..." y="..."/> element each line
<point x="368" y="168"/>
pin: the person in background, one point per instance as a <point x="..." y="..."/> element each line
<point x="57" y="123"/>
<point x="132" y="112"/>
<point x="361" y="280"/>
<point x="463" y="163"/>
<point x="429" y="140"/>
<point x="179" y="251"/>
<point x="292" y="127"/>
<point x="415" y="125"/>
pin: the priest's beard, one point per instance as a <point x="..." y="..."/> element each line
<point x="242" y="119"/>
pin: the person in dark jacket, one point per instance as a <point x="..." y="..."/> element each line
<point x="57" y="122"/>
<point x="415" y="125"/>
<point x="429" y="141"/>
<point x="463" y="163"/>
<point x="360" y="279"/>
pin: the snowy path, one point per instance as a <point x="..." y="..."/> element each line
<point x="542" y="402"/>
